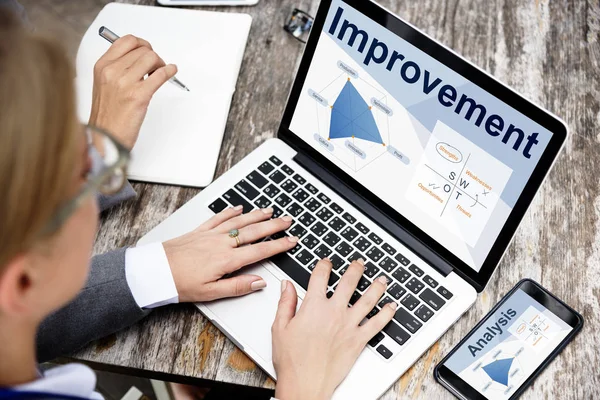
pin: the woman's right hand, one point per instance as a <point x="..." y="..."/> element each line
<point x="122" y="92"/>
<point x="315" y="348"/>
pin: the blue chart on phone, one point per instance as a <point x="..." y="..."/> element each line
<point x="498" y="370"/>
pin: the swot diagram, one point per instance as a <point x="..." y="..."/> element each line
<point x="457" y="183"/>
<point x="353" y="119"/>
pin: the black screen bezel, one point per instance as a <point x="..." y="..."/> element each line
<point x="559" y="133"/>
<point x="571" y="317"/>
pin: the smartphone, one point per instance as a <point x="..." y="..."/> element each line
<point x="207" y="2"/>
<point x="511" y="346"/>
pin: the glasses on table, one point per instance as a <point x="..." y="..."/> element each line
<point x="107" y="175"/>
<point x="298" y="25"/>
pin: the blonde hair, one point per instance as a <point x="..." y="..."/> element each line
<point x="38" y="135"/>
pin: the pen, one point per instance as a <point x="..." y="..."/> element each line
<point x="111" y="37"/>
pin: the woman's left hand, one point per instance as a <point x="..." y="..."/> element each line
<point x="199" y="259"/>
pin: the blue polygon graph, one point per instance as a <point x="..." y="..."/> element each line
<point x="498" y="370"/>
<point x="351" y="116"/>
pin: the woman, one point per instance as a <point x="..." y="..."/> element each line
<point x="50" y="169"/>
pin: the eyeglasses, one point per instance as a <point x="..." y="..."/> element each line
<point x="298" y="25"/>
<point x="108" y="173"/>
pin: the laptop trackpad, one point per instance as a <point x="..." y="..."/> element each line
<point x="248" y="319"/>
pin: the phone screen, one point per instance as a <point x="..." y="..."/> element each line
<point x="508" y="347"/>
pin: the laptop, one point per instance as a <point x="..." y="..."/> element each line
<point x="391" y="148"/>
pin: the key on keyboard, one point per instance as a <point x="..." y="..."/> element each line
<point x="401" y="274"/>
<point x="336" y="261"/>
<point x="298" y="230"/>
<point x="266" y="168"/>
<point x="403" y="260"/>
<point x="349" y="218"/>
<point x="410" y="302"/>
<point x="304" y="257"/>
<point x="395" y="332"/>
<point x="362" y="228"/>
<point x="349" y="234"/>
<point x="272" y="190"/>
<point x="310" y="241"/>
<point x="283" y="200"/>
<point x="336" y="224"/>
<point x="275" y="160"/>
<point x="344" y="249"/>
<point x="323" y="198"/>
<point x="294" y="210"/>
<point x="322" y="251"/>
<point x="406" y="319"/>
<point x="217" y="206"/>
<point x="432" y="299"/>
<point x="375" y="254"/>
<point x="311" y="188"/>
<point x="444" y="292"/>
<point x="319" y="229"/>
<point x="388" y="249"/>
<point x="376" y="239"/>
<point x="335" y="207"/>
<point x="277" y="176"/>
<point x="389" y="265"/>
<point x="313" y="205"/>
<point x="262" y="202"/>
<point x="246" y="189"/>
<point x="306" y="219"/>
<point x="289" y="186"/>
<point x="257" y="179"/>
<point x="376" y="339"/>
<point x="324" y="214"/>
<point x="371" y="269"/>
<point x="300" y="195"/>
<point x="415" y="285"/>
<point x="287" y="169"/>
<point x="424" y="313"/>
<point x="235" y="200"/>
<point x="384" y="352"/>
<point x="299" y="179"/>
<point x="362" y="244"/>
<point x="416" y="270"/>
<point x="331" y="239"/>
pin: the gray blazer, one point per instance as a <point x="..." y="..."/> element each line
<point x="104" y="306"/>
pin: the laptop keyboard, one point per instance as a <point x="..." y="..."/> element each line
<point x="326" y="229"/>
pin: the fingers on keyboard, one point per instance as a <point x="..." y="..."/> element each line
<point x="260" y="230"/>
<point x="349" y="281"/>
<point x="243" y="220"/>
<point x="247" y="255"/>
<point x="378" y="321"/>
<point x="220" y="218"/>
<point x="319" y="278"/>
<point x="369" y="299"/>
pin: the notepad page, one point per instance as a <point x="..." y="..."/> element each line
<point x="180" y="139"/>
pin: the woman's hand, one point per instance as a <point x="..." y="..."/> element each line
<point x="199" y="259"/>
<point x="121" y="95"/>
<point x="314" y="349"/>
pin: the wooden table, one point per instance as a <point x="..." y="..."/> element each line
<point x="550" y="52"/>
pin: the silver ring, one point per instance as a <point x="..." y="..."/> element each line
<point x="235" y="234"/>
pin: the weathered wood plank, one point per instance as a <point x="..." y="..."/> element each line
<point x="549" y="51"/>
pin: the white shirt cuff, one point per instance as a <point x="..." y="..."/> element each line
<point x="149" y="276"/>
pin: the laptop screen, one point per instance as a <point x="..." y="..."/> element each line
<point x="441" y="151"/>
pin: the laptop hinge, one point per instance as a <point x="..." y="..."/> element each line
<point x="374" y="214"/>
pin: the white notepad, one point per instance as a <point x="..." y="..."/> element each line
<point x="181" y="137"/>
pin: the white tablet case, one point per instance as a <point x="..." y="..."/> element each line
<point x="181" y="137"/>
